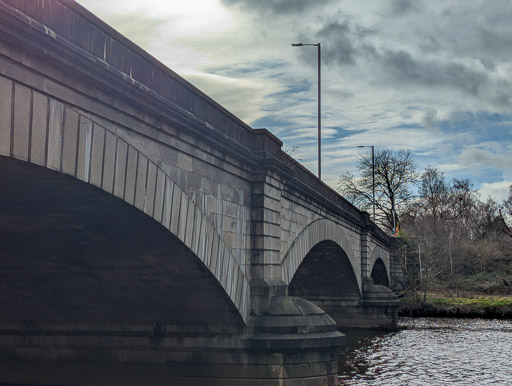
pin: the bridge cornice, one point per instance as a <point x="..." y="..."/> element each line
<point x="73" y="58"/>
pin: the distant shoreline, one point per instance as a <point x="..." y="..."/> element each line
<point x="477" y="306"/>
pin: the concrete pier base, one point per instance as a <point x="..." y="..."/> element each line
<point x="295" y="343"/>
<point x="377" y="310"/>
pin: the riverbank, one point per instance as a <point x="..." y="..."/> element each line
<point x="470" y="306"/>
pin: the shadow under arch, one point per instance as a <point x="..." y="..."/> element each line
<point x="315" y="233"/>
<point x="72" y="253"/>
<point x="55" y="136"/>
<point x="325" y="276"/>
<point x="380" y="272"/>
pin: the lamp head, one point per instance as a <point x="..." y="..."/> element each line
<point x="297" y="44"/>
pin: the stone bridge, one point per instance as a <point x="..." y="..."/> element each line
<point x="148" y="234"/>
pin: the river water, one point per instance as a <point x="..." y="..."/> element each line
<point x="431" y="351"/>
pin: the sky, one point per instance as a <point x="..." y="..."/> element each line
<point x="431" y="76"/>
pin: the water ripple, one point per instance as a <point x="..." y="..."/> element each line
<point x="433" y="351"/>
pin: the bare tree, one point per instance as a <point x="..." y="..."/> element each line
<point x="395" y="174"/>
<point x="507" y="206"/>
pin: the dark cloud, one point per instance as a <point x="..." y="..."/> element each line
<point x="342" y="41"/>
<point x="431" y="119"/>
<point x="400" y="7"/>
<point x="488" y="64"/>
<point x="338" y="40"/>
<point x="404" y="69"/>
<point x="285" y="7"/>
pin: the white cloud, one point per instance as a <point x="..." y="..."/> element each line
<point x="495" y="190"/>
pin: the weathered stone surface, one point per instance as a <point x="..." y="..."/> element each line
<point x="177" y="223"/>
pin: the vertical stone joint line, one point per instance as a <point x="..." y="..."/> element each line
<point x="146" y="186"/>
<point x="156" y="188"/>
<point x="114" y="176"/>
<point x="126" y="171"/>
<point x="47" y="132"/>
<point x="13" y="96"/>
<point x="88" y="151"/>
<point x="136" y="177"/>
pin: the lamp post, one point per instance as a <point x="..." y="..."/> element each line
<point x="319" y="105"/>
<point x="373" y="177"/>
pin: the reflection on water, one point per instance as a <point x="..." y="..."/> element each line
<point x="431" y="351"/>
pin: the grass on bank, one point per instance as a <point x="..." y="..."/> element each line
<point x="469" y="305"/>
<point x="472" y="300"/>
<point x="479" y="301"/>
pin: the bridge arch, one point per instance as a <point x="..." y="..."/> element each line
<point x="40" y="130"/>
<point x="318" y="231"/>
<point x="379" y="266"/>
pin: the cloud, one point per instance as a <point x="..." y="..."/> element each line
<point x="276" y="7"/>
<point x="496" y="190"/>
<point x="143" y="29"/>
<point x="235" y="93"/>
<point x="400" y="7"/>
<point x="431" y="119"/>
<point x="407" y="70"/>
<point x="338" y="41"/>
<point x="481" y="158"/>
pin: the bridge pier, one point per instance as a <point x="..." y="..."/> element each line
<point x="293" y="343"/>
<point x="376" y="310"/>
<point x="135" y="355"/>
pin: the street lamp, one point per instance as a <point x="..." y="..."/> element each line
<point x="319" y="104"/>
<point x="373" y="177"/>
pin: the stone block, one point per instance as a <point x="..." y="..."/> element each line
<point x="131" y="175"/>
<point x="233" y="282"/>
<point x="141" y="180"/>
<point x="214" y="255"/>
<point x="184" y="162"/>
<point x="231" y="209"/>
<point x="193" y="182"/>
<point x="223" y="268"/>
<point x="190" y="224"/>
<point x="55" y="134"/>
<point x="260" y="228"/>
<point x="149" y="203"/>
<point x="201" y="240"/>
<point x="272" y="271"/>
<point x="167" y="202"/>
<point x="227" y="193"/>
<point x="109" y="162"/>
<point x="84" y="149"/>
<point x="22" y="121"/>
<point x="175" y="209"/>
<point x="159" y="195"/>
<point x="70" y="142"/>
<point x="198" y="216"/>
<point x="39" y="129"/>
<point x="228" y="268"/>
<point x="183" y="212"/>
<point x="238" y="287"/>
<point x="97" y="153"/>
<point x="6" y="87"/>
<point x="120" y="172"/>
